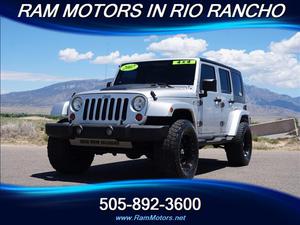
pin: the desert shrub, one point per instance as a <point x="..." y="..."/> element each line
<point x="16" y="130"/>
<point x="21" y="115"/>
<point x="254" y="138"/>
<point x="266" y="140"/>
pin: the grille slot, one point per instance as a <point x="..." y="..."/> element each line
<point x="92" y="109"/>
<point x="105" y="109"/>
<point x="111" y="108"/>
<point x="118" y="107"/>
<point x="86" y="107"/>
<point x="97" y="116"/>
<point x="124" y="111"/>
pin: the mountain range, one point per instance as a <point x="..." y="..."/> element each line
<point x="262" y="103"/>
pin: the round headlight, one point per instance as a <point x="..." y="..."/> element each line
<point x="138" y="103"/>
<point x="77" y="103"/>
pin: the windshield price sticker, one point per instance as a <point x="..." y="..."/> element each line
<point x="183" y="62"/>
<point x="129" y="67"/>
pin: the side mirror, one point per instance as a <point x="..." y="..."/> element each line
<point x="108" y="84"/>
<point x="207" y="85"/>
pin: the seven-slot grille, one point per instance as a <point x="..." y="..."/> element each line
<point x="105" y="109"/>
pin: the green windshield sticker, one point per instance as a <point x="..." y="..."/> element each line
<point x="183" y="62"/>
<point x="129" y="67"/>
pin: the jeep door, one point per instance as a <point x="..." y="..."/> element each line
<point x="210" y="109"/>
<point x="226" y="96"/>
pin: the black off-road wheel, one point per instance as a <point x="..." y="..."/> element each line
<point x="177" y="156"/>
<point x="239" y="150"/>
<point x="67" y="160"/>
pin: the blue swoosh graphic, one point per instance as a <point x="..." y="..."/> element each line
<point x="149" y="183"/>
<point x="79" y="204"/>
<point x="143" y="30"/>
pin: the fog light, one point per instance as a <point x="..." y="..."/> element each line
<point x="72" y="116"/>
<point x="139" y="117"/>
<point x="109" y="131"/>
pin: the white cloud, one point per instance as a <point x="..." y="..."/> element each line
<point x="291" y="45"/>
<point x="151" y="38"/>
<point x="116" y="58"/>
<point x="277" y="67"/>
<point x="72" y="55"/>
<point x="107" y="59"/>
<point x="27" y="76"/>
<point x="134" y="57"/>
<point x="179" y="46"/>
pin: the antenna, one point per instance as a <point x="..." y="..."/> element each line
<point x="105" y="68"/>
<point x="105" y="72"/>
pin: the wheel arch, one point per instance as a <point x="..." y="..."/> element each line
<point x="171" y="110"/>
<point x="245" y="118"/>
<point x="60" y="109"/>
<point x="183" y="113"/>
<point x="235" y="118"/>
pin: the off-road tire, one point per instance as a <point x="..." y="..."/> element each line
<point x="177" y="156"/>
<point x="67" y="160"/>
<point x="239" y="150"/>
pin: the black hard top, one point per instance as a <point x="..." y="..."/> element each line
<point x="218" y="64"/>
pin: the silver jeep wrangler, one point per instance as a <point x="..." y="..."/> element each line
<point x="165" y="109"/>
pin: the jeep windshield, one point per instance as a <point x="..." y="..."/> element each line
<point x="161" y="73"/>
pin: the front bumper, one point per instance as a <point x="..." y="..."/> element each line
<point x="135" y="133"/>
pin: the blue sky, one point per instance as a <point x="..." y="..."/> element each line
<point x="30" y="56"/>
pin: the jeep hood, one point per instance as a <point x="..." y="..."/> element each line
<point x="164" y="92"/>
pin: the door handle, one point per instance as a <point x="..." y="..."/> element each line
<point x="217" y="100"/>
<point x="231" y="101"/>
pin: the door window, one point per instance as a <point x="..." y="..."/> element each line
<point x="208" y="72"/>
<point x="238" y="90"/>
<point x="225" y="81"/>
